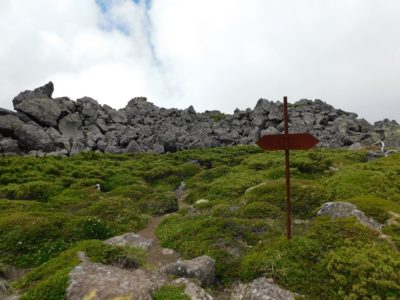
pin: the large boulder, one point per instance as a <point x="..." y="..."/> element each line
<point x="45" y="111"/>
<point x="45" y="91"/>
<point x="9" y="124"/>
<point x="346" y="209"/>
<point x="192" y="290"/>
<point x="70" y="126"/>
<point x="34" y="137"/>
<point x="200" y="268"/>
<point x="260" y="288"/>
<point x="101" y="282"/>
<point x="39" y="106"/>
<point x="89" y="109"/>
<point x="9" y="146"/>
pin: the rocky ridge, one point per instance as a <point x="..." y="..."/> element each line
<point x="60" y="126"/>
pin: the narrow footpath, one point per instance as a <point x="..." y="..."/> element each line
<point x="156" y="255"/>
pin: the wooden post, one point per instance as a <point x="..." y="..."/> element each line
<point x="287" y="171"/>
<point x="286" y="141"/>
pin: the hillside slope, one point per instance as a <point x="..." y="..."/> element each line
<point x="231" y="208"/>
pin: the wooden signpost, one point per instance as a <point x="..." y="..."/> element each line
<point x="286" y="141"/>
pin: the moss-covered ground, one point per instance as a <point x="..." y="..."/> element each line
<point x="50" y="208"/>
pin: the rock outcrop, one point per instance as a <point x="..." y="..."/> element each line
<point x="130" y="240"/>
<point x="200" y="268"/>
<point x="61" y="126"/>
<point x="90" y="280"/>
<point x="260" y="288"/>
<point x="96" y="281"/>
<point x="345" y="209"/>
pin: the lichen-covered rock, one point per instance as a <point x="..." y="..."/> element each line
<point x="96" y="281"/>
<point x="200" y="268"/>
<point x="345" y="209"/>
<point x="260" y="289"/>
<point x="131" y="240"/>
<point x="9" y="146"/>
<point x="192" y="290"/>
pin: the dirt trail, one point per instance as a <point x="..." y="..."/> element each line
<point x="155" y="255"/>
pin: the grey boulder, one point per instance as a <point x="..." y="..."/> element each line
<point x="260" y="289"/>
<point x="131" y="240"/>
<point x="200" y="268"/>
<point x="70" y="126"/>
<point x="45" y="111"/>
<point x="97" y="281"/>
<point x="346" y="209"/>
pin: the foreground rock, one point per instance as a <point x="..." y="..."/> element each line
<point x="200" y="268"/>
<point x="64" y="127"/>
<point x="260" y="289"/>
<point x="346" y="209"/>
<point x="101" y="282"/>
<point x="192" y="290"/>
<point x="131" y="240"/>
<point x="97" y="281"/>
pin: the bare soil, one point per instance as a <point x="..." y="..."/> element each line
<point x="155" y="255"/>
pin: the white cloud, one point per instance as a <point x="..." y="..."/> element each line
<point x="212" y="54"/>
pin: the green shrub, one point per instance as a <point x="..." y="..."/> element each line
<point x="171" y="292"/>
<point x="364" y="271"/>
<point x="93" y="228"/>
<point x="50" y="280"/>
<point x="300" y="264"/>
<point x="375" y="207"/>
<point x="29" y="238"/>
<point x="259" y="210"/>
<point x="306" y="196"/>
<point x="35" y="190"/>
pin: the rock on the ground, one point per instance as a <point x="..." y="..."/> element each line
<point x="167" y="251"/>
<point x="346" y="209"/>
<point x="3" y="287"/>
<point x="9" y="146"/>
<point x="130" y="239"/>
<point x="192" y="290"/>
<point x="200" y="268"/>
<point x="260" y="289"/>
<point x="96" y="281"/>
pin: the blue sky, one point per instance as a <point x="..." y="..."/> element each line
<point x="106" y="4"/>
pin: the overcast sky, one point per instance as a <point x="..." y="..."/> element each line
<point x="212" y="54"/>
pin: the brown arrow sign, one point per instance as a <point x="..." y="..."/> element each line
<point x="293" y="141"/>
<point x="296" y="141"/>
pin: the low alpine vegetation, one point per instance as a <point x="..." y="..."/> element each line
<point x="232" y="208"/>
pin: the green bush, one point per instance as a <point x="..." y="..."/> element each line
<point x="171" y="292"/>
<point x="50" y="280"/>
<point x="375" y="207"/>
<point x="306" y="196"/>
<point x="301" y="263"/>
<point x="259" y="210"/>
<point x="363" y="271"/>
<point x="35" y="190"/>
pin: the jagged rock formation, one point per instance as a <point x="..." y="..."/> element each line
<point x="60" y="126"/>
